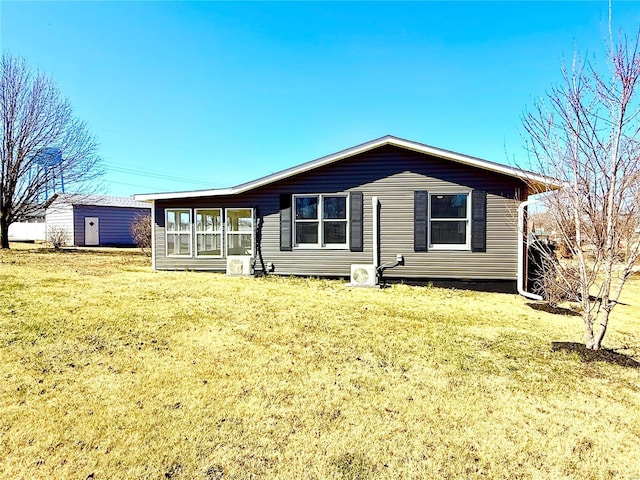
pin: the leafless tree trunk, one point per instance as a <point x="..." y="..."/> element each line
<point x="586" y="133"/>
<point x="39" y="139"/>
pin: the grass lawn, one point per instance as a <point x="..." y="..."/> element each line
<point x="111" y="369"/>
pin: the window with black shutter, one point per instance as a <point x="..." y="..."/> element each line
<point x="355" y="218"/>
<point x="479" y="221"/>
<point x="420" y="221"/>
<point x="285" y="222"/>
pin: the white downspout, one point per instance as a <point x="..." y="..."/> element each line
<point x="374" y="211"/>
<point x="521" y="240"/>
<point x="153" y="234"/>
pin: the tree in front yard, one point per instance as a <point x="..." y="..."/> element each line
<point x="41" y="142"/>
<point x="586" y="133"/>
<point x="57" y="236"/>
<point x="141" y="232"/>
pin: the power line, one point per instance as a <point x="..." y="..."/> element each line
<point x="157" y="175"/>
<point x="161" y="176"/>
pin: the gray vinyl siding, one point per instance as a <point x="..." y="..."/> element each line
<point x="114" y="224"/>
<point x="392" y="174"/>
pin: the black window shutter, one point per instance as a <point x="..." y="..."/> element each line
<point x="356" y="207"/>
<point x="479" y="221"/>
<point x="286" y="230"/>
<point x="420" y="201"/>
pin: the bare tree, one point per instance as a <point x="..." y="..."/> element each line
<point x="39" y="138"/>
<point x="141" y="232"/>
<point x="585" y="132"/>
<point x="58" y="236"/>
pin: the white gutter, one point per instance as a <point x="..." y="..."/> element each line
<point x="521" y="241"/>
<point x="374" y="214"/>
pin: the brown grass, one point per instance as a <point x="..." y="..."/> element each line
<point x="110" y="368"/>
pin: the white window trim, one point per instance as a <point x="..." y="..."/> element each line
<point x="179" y="232"/>
<point x="228" y="232"/>
<point x="215" y="232"/>
<point x="320" y="220"/>
<point x="450" y="246"/>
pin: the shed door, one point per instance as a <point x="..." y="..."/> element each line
<point x="91" y="231"/>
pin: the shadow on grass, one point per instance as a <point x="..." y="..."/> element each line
<point x="603" y="355"/>
<point x="545" y="307"/>
<point x="491" y="286"/>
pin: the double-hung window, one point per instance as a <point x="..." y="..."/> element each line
<point x="209" y="232"/>
<point x="449" y="221"/>
<point x="178" y="231"/>
<point x="240" y="240"/>
<point x="321" y="221"/>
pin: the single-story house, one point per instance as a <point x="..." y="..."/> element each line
<point x="94" y="220"/>
<point x="417" y="211"/>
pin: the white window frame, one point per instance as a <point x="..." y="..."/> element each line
<point x="228" y="231"/>
<point x="219" y="232"/>
<point x="320" y="220"/>
<point x="451" y="246"/>
<point x="178" y="232"/>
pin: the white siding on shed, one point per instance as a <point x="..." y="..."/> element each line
<point x="60" y="215"/>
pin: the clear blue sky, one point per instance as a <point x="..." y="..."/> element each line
<point x="212" y="94"/>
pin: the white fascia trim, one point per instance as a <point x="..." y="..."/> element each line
<point x="349" y="152"/>
<point x="149" y="197"/>
<point x="290" y="172"/>
<point x="474" y="161"/>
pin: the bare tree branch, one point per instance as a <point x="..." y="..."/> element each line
<point x="37" y="122"/>
<point x="586" y="132"/>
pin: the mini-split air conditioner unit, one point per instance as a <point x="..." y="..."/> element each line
<point x="238" y="265"/>
<point x="364" y="276"/>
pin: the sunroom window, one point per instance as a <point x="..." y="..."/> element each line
<point x="178" y="231"/>
<point x="321" y="221"/>
<point x="240" y="239"/>
<point x="209" y="232"/>
<point x="449" y="222"/>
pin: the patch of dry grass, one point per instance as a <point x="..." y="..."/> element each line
<point x="110" y="368"/>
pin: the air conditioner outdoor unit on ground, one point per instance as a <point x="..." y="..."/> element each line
<point x="364" y="276"/>
<point x="239" y="265"/>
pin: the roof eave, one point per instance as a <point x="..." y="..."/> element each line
<point x="149" y="197"/>
<point x="536" y="180"/>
